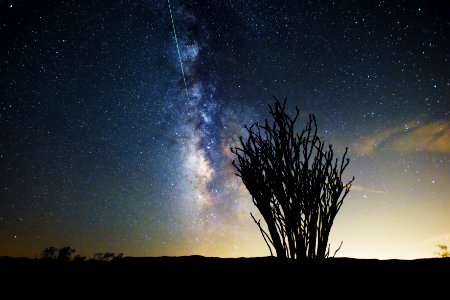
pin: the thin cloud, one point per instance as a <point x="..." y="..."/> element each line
<point x="412" y="137"/>
<point x="361" y="189"/>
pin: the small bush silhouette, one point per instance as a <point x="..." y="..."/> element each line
<point x="108" y="256"/>
<point x="79" y="258"/>
<point x="443" y="251"/>
<point x="65" y="253"/>
<point x="49" y="253"/>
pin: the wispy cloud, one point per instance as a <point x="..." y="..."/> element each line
<point x="415" y="136"/>
<point x="361" y="189"/>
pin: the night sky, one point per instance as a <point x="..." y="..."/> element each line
<point x="105" y="147"/>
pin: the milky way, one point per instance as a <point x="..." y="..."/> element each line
<point x="203" y="132"/>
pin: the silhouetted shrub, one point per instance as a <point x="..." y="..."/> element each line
<point x="65" y="253"/>
<point x="79" y="258"/>
<point x="443" y="251"/>
<point x="295" y="182"/>
<point x="108" y="256"/>
<point x="49" y="253"/>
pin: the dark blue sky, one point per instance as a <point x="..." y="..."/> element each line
<point x="101" y="149"/>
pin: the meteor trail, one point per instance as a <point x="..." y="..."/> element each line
<point x="178" y="49"/>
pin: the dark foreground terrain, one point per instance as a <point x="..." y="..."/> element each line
<point x="194" y="275"/>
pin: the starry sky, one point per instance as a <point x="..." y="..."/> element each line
<point x="108" y="144"/>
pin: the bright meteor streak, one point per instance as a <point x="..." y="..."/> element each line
<point x="178" y="49"/>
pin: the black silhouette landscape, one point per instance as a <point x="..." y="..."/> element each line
<point x="247" y="274"/>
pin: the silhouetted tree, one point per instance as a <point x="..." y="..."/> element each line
<point x="49" y="253"/>
<point x="443" y="251"/>
<point x="65" y="253"/>
<point x="79" y="258"/>
<point x="295" y="182"/>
